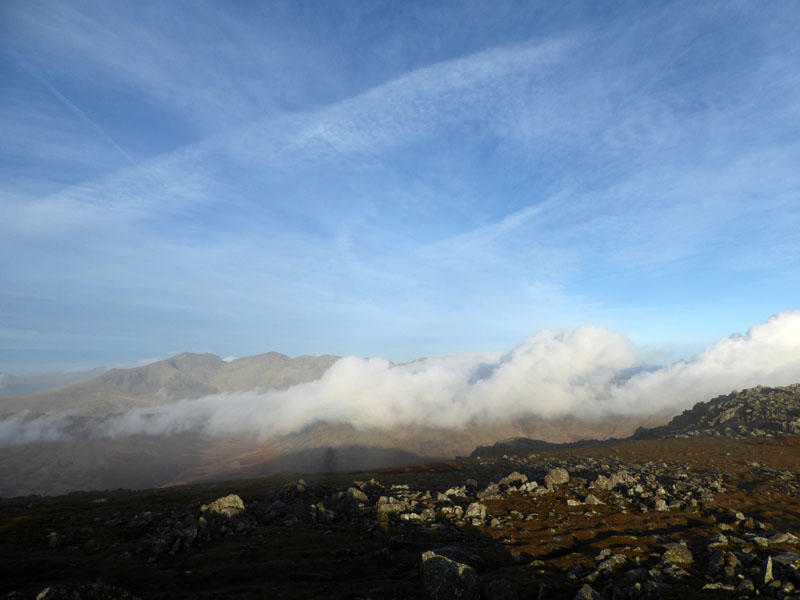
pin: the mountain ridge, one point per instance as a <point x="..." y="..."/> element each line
<point x="184" y="376"/>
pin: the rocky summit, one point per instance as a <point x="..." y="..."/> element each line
<point x="755" y="412"/>
<point x="668" y="515"/>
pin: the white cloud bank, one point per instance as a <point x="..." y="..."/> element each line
<point x="585" y="372"/>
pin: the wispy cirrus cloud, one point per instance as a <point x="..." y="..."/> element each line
<point x="590" y="169"/>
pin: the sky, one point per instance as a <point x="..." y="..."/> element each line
<point x="392" y="179"/>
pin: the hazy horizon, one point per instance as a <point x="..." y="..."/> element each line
<point x="586" y="373"/>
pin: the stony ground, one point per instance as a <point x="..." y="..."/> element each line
<point x="689" y="518"/>
<point x="704" y="508"/>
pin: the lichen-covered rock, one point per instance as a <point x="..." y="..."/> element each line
<point x="766" y="577"/>
<point x="446" y="579"/>
<point x="612" y="563"/>
<point x="227" y="506"/>
<point x="677" y="554"/>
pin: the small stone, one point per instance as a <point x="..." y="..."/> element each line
<point x="766" y="572"/>
<point x="718" y="540"/>
<point x="593" y="500"/>
<point x="719" y="586"/>
<point x="783" y="538"/>
<point x="587" y="593"/>
<point x="411" y="517"/>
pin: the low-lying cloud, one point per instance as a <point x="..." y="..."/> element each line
<point x="588" y="372"/>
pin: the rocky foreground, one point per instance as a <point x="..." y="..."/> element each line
<point x="674" y="516"/>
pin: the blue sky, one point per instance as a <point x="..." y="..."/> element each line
<point x="394" y="179"/>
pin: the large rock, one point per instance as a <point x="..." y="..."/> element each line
<point x="446" y="579"/>
<point x="462" y="555"/>
<point x="227" y="506"/>
<point x="556" y="476"/>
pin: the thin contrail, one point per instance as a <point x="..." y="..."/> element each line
<point x="70" y="105"/>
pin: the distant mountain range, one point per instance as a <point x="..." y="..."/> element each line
<point x="141" y="461"/>
<point x="184" y="376"/>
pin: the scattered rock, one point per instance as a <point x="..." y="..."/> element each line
<point x="476" y="512"/>
<point x="593" y="500"/>
<point x="557" y="476"/>
<point x="612" y="563"/>
<point x="445" y="579"/>
<point x="766" y="576"/>
<point x="677" y="554"/>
